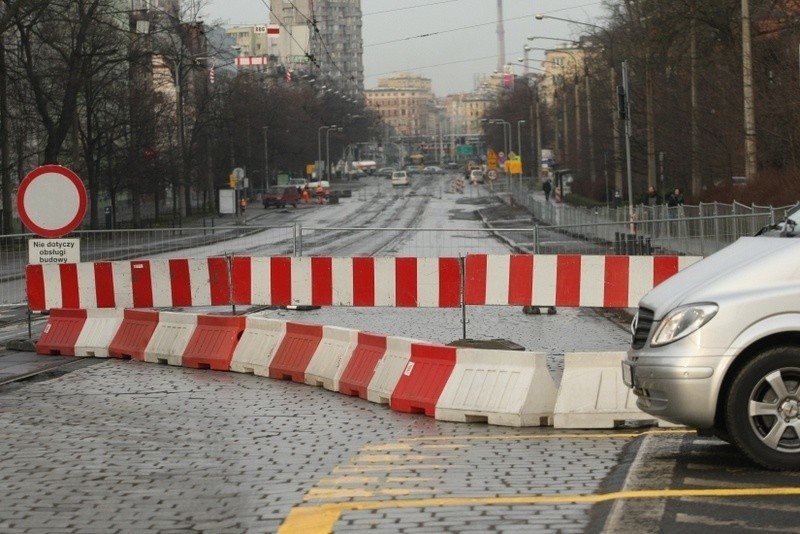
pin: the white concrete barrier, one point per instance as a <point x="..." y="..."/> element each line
<point x="499" y="387"/>
<point x="592" y="394"/>
<point x="170" y="338"/>
<point x="389" y="369"/>
<point x="331" y="357"/>
<point x="98" y="331"/>
<point x="257" y="346"/>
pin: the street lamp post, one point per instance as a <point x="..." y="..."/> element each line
<point x="328" y="149"/>
<point x="320" y="171"/>
<point x="519" y="147"/>
<point x="266" y="161"/>
<point x="589" y="123"/>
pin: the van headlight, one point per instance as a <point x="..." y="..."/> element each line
<point x="682" y="321"/>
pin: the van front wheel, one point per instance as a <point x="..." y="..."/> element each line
<point x="763" y="409"/>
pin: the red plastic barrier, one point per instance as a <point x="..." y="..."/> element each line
<point x="213" y="342"/>
<point x="423" y="379"/>
<point x="134" y="334"/>
<point x="61" y="332"/>
<point x="361" y="368"/>
<point x="295" y="352"/>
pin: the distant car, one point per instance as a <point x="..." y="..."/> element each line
<point x="476" y="176"/>
<point x="432" y="169"/>
<point x="399" y="178"/>
<point x="281" y="195"/>
<point x="298" y="182"/>
<point x="413" y="169"/>
<point x="385" y="171"/>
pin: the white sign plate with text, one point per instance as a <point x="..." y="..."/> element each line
<point x="54" y="251"/>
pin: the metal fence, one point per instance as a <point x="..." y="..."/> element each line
<point x="688" y="230"/>
<point x="684" y="230"/>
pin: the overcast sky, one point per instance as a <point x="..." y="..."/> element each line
<point x="450" y="41"/>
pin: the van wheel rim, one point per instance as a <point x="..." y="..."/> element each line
<point x="774" y="410"/>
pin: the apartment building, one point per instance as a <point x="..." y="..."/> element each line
<point x="405" y="103"/>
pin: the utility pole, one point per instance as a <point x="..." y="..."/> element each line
<point x="751" y="161"/>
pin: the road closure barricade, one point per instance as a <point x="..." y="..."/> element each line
<point x="134" y="334"/>
<point x="360" y="370"/>
<point x="389" y="369"/>
<point x="61" y="332"/>
<point x="592" y="394"/>
<point x="99" y="330"/>
<point x="331" y="357"/>
<point x="500" y="387"/>
<point x="295" y="352"/>
<point x="170" y="338"/>
<point x="423" y="379"/>
<point x="213" y="342"/>
<point x="257" y="346"/>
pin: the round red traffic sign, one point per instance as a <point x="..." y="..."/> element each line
<point x="51" y="201"/>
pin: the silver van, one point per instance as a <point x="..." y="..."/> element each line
<point x="717" y="347"/>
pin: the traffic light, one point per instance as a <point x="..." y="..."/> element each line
<point x="232" y="181"/>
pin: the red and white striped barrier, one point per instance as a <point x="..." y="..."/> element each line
<point x="566" y="280"/>
<point x="134" y="284"/>
<point x="323" y="281"/>
<point x="508" y="388"/>
<point x="535" y="280"/>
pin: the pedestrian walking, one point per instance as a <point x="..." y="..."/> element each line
<point x="547" y="186"/>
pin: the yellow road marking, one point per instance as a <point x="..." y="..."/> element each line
<point x="347" y="480"/>
<point x="609" y="435"/>
<point x="323" y="518"/>
<point x="352" y="493"/>
<point x="386" y="447"/>
<point x="389" y="458"/>
<point x="389" y="468"/>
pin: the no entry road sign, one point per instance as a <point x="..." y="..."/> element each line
<point x="51" y="201"/>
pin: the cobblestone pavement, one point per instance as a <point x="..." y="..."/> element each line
<point x="125" y="446"/>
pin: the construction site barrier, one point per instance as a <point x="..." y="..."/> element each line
<point x="98" y="331"/>
<point x="423" y="379"/>
<point x="133" y="284"/>
<point x="134" y="334"/>
<point x="257" y="346"/>
<point x="525" y="280"/>
<point x="389" y="369"/>
<point x="360" y="370"/>
<point x="170" y="338"/>
<point x="213" y="342"/>
<point x="566" y="280"/>
<point x="499" y="387"/>
<point x="592" y="393"/>
<point x="331" y="357"/>
<point x="61" y="332"/>
<point x="393" y="282"/>
<point x="295" y="351"/>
